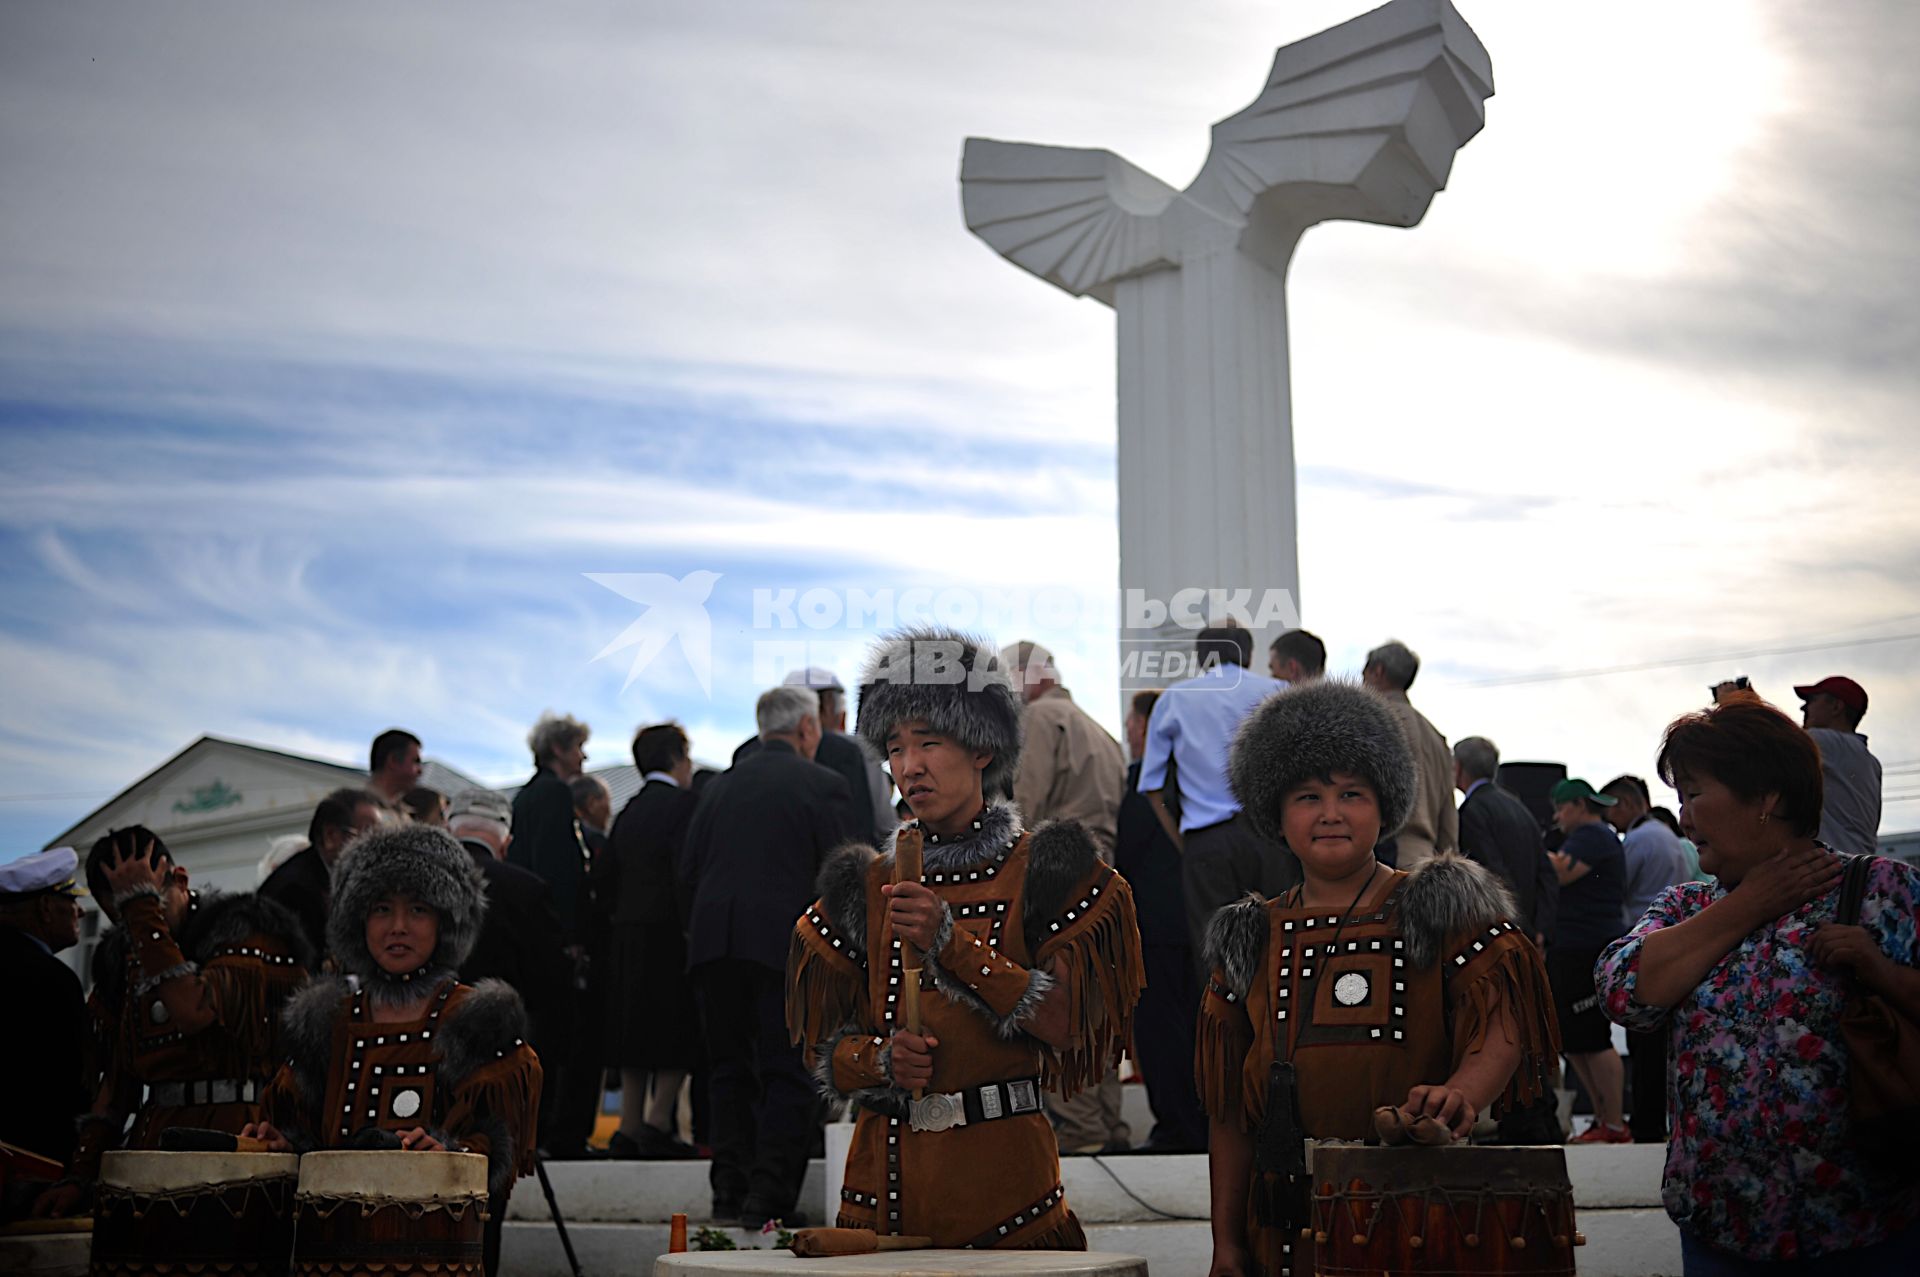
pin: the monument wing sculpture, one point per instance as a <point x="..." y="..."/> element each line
<point x="1360" y="122"/>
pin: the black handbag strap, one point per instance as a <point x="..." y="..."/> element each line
<point x="1853" y="889"/>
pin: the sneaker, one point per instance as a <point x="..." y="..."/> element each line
<point x="1598" y="1134"/>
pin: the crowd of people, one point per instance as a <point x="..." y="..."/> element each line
<point x="728" y="951"/>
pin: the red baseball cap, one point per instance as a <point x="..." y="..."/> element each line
<point x="1844" y="690"/>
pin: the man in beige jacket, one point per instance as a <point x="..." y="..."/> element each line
<point x="1434" y="824"/>
<point x="1070" y="769"/>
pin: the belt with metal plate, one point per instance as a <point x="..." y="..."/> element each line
<point x="976" y="1104"/>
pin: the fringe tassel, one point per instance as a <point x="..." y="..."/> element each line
<point x="1221" y="1044"/>
<point x="1067" y="1235"/>
<point x="1516" y="981"/>
<point x="507" y="1089"/>
<point x="247" y="997"/>
<point x="824" y="993"/>
<point x="1102" y="970"/>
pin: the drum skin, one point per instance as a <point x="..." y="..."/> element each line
<point x="159" y="1213"/>
<point x="1455" y="1210"/>
<point x="390" y="1214"/>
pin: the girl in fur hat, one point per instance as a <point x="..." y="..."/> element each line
<point x="1408" y="994"/>
<point x="395" y="1052"/>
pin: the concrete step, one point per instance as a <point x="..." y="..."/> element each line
<point x="1620" y="1243"/>
<point x="1137" y="1188"/>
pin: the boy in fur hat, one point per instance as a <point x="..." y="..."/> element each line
<point x="1031" y="968"/>
<point x="187" y="992"/>
<point x="1410" y="994"/>
<point x="395" y="1052"/>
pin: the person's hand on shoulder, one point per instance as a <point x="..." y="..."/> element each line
<point x="1786" y="880"/>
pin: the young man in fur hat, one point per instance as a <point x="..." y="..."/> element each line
<point x="1031" y="968"/>
<point x="187" y="992"/>
<point x="1403" y="1002"/>
<point x="411" y="1057"/>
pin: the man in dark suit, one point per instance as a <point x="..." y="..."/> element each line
<point x="870" y="815"/>
<point x="520" y="940"/>
<point x="303" y="883"/>
<point x="1498" y="831"/>
<point x="753" y="851"/>
<point x="547" y="841"/>
<point x="1170" y="1004"/>
<point x="46" y="1091"/>
<point x="653" y="1030"/>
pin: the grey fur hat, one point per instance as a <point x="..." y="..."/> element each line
<point x="953" y="680"/>
<point x="1312" y="729"/>
<point x="412" y="860"/>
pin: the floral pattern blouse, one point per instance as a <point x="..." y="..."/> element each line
<point x="1759" y="1163"/>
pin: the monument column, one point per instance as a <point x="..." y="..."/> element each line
<point x="1360" y="122"/>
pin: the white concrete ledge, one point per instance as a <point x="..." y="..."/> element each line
<point x="1605" y="1177"/>
<point x="1620" y="1243"/>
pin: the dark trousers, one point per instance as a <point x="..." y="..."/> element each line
<point x="571" y="1098"/>
<point x="1647" y="1078"/>
<point x="765" y="1107"/>
<point x="1222" y="863"/>
<point x="1163" y="1028"/>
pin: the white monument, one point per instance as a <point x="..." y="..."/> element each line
<point x="1359" y="122"/>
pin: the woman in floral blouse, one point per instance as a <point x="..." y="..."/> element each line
<point x="1751" y="975"/>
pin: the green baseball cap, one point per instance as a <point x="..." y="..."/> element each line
<point x="1573" y="791"/>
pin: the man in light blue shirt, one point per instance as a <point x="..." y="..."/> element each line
<point x="1189" y="736"/>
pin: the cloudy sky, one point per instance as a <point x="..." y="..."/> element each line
<point x="339" y="344"/>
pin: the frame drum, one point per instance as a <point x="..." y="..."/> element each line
<point x="1459" y="1209"/>
<point x="166" y="1212"/>
<point x="391" y="1213"/>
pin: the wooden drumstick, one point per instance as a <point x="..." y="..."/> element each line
<point x="908" y="865"/>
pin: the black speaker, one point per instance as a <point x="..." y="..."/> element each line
<point x="1531" y="783"/>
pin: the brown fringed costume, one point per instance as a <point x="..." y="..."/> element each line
<point x="462" y="1070"/>
<point x="458" y="1066"/>
<point x="194" y="1018"/>
<point x="1395" y="995"/>
<point x="1025" y="914"/>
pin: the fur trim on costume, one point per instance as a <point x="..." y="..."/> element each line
<point x="1039" y="984"/>
<point x="1313" y="729"/>
<point x="822" y="1070"/>
<point x="149" y="983"/>
<point x="1060" y="855"/>
<point x="489" y="1020"/>
<point x="419" y="861"/>
<point x="1446" y="898"/>
<point x="998" y="832"/>
<point x="955" y="682"/>
<point x="307" y="1024"/>
<point x="228" y="918"/>
<point x="1236" y="941"/>
<point x="842" y="885"/>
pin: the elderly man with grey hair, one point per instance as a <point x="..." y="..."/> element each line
<point x="747" y="870"/>
<point x="1071" y="768"/>
<point x="871" y="818"/>
<point x="1432" y="825"/>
